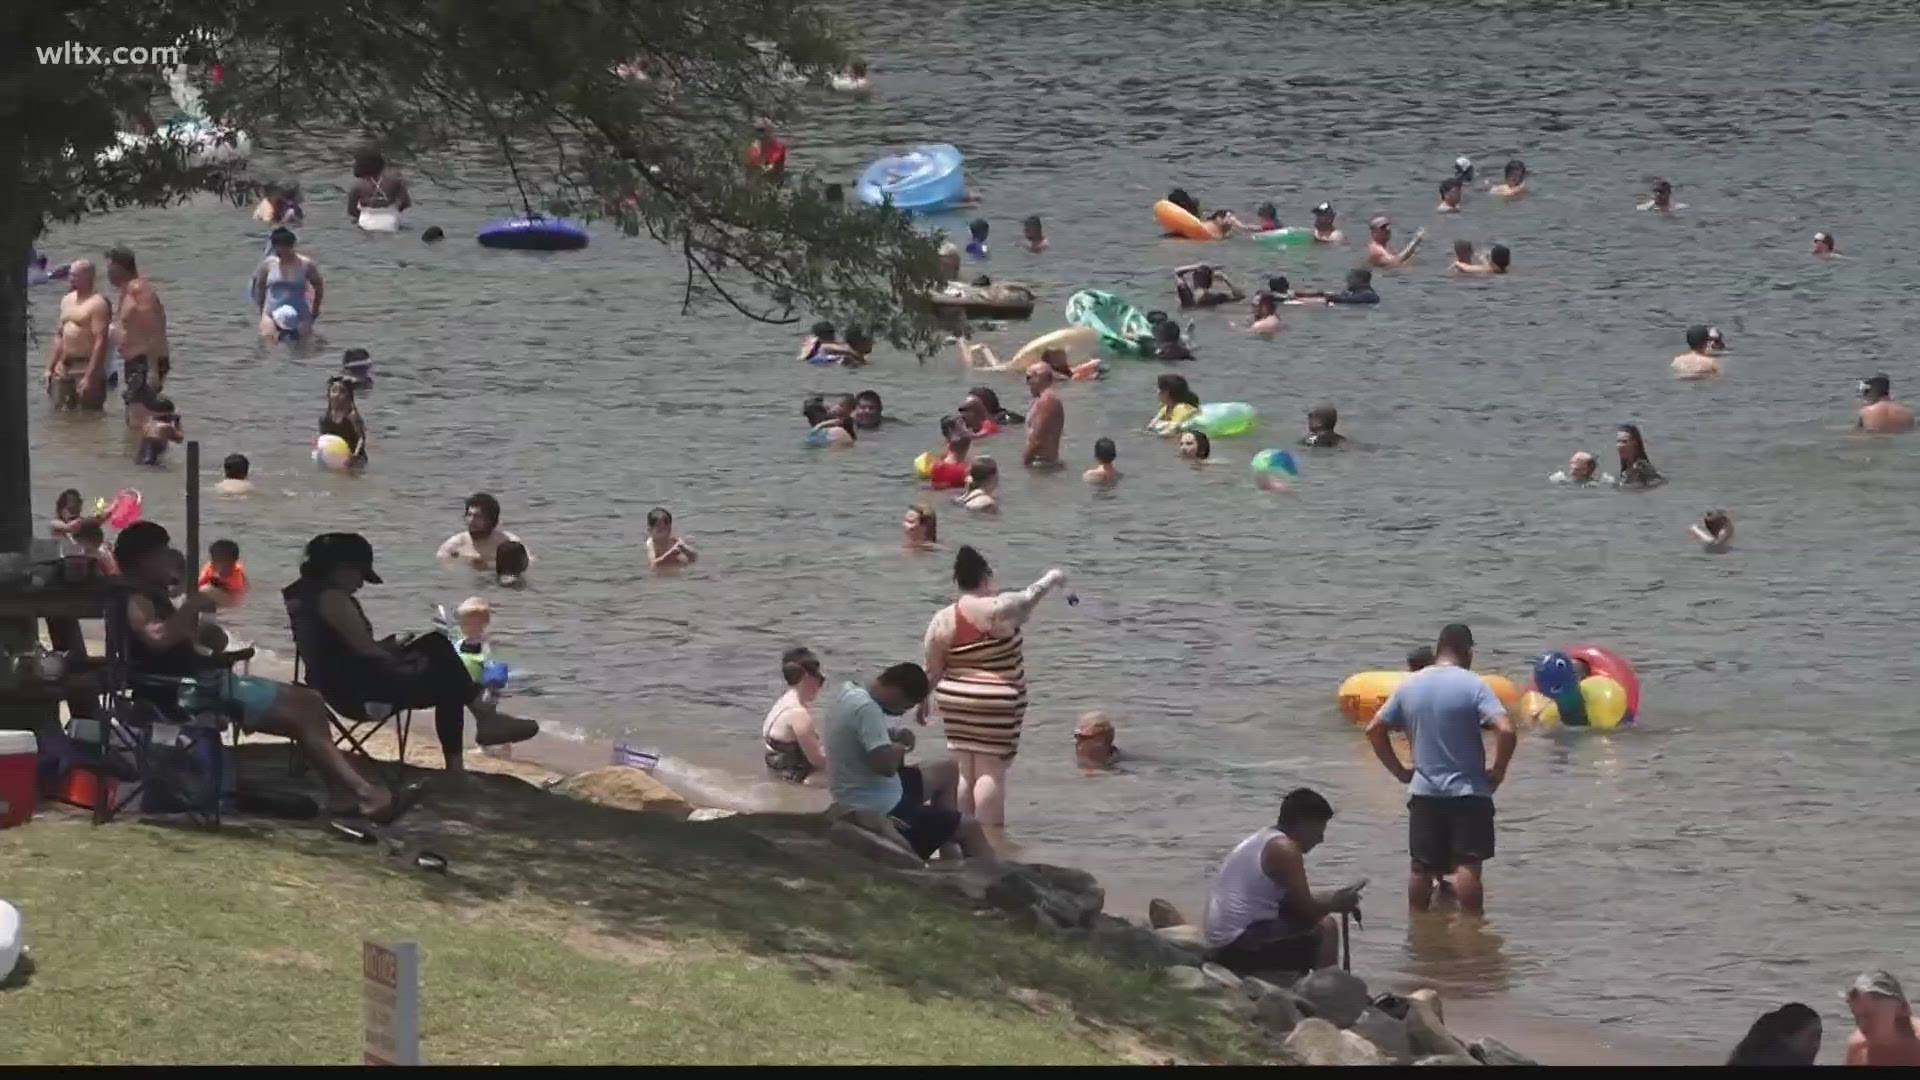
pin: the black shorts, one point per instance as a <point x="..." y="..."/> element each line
<point x="1269" y="946"/>
<point x="925" y="828"/>
<point x="145" y="378"/>
<point x="1443" y="832"/>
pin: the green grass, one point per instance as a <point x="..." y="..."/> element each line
<point x="565" y="934"/>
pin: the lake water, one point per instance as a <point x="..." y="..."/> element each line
<point x="1743" y="846"/>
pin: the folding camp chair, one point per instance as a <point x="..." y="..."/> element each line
<point x="157" y="737"/>
<point x="357" y="722"/>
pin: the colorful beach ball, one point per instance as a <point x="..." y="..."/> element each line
<point x="332" y="452"/>
<point x="1272" y="469"/>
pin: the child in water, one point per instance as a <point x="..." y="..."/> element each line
<point x="1036" y="238"/>
<point x="1715" y="531"/>
<point x="977" y="247"/>
<point x="91" y="539"/>
<point x="162" y="427"/>
<point x="953" y="468"/>
<point x="1103" y="471"/>
<point x="663" y="548"/>
<point x="342" y="418"/>
<point x="1195" y="446"/>
<point x="224" y="576"/>
<point x="982" y="481"/>
<point x="813" y="347"/>
<point x="234" y="480"/>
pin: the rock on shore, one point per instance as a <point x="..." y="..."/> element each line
<point x="626" y="788"/>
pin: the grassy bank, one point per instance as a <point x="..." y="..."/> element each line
<point x="566" y="933"/>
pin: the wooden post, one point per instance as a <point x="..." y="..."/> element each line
<point x="193" y="510"/>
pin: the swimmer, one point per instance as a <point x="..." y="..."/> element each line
<point x="663" y="548"/>
<point x="1280" y="289"/>
<point x="1464" y="261"/>
<point x="977" y="246"/>
<point x="1583" y="470"/>
<point x="375" y="187"/>
<point x="1321" y="420"/>
<point x="1265" y="320"/>
<point x="952" y="469"/>
<point x="280" y="206"/>
<point x="479" y="545"/>
<point x="1193" y="284"/>
<point x="983" y="479"/>
<point x="280" y="289"/>
<point x="1093" y="742"/>
<point x="1324" y="230"/>
<point x="224" y="577"/>
<point x="814" y="347"/>
<point x="866" y="411"/>
<point x="978" y="420"/>
<point x="1167" y="344"/>
<point x="162" y="428"/>
<point x="1359" y="290"/>
<point x="1450" y="191"/>
<point x="1420" y="658"/>
<point x="1103" y="472"/>
<point x="1702" y="358"/>
<point x="767" y="155"/>
<point x="141" y="333"/>
<point x="1180" y="198"/>
<point x="1047" y="420"/>
<point x="1823" y="246"/>
<point x="1513" y="183"/>
<point x="1195" y="446"/>
<point x="855" y="351"/>
<point x="342" y="418"/>
<point x="1636" y="468"/>
<point x="1178" y="404"/>
<point x="920" y="529"/>
<point x="843" y="408"/>
<point x="981" y="358"/>
<point x="990" y="402"/>
<point x="1661" y="199"/>
<point x="1034" y="237"/>
<point x="1881" y="413"/>
<point x="1380" y="234"/>
<point x="77" y="366"/>
<point x="233" y="481"/>
<point x="1266" y="219"/>
<point x="1714" y="531"/>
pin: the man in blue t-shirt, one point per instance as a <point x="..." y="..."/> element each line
<point x="1450" y="788"/>
<point x="867" y="770"/>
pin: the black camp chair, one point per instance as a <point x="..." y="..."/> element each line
<point x="355" y="720"/>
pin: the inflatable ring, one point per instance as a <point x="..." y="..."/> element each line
<point x="1219" y="419"/>
<point x="1177" y="221"/>
<point x="1120" y="325"/>
<point x="923" y="465"/>
<point x="1362" y="695"/>
<point x="1284" y="238"/>
<point x="1080" y="343"/>
<point x="1607" y="663"/>
<point x="924" y="178"/>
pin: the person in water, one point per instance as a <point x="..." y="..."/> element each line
<point x="356" y="365"/>
<point x="1882" y="413"/>
<point x="1266" y="219"/>
<point x="1702" y="358"/>
<point x="920" y="529"/>
<point x="233" y="479"/>
<point x="1884" y="1029"/>
<point x="953" y="467"/>
<point x="67" y="515"/>
<point x="663" y="548"/>
<point x="77" y="372"/>
<point x="1420" y="658"/>
<point x="767" y="156"/>
<point x="163" y="428"/>
<point x="977" y="242"/>
<point x="990" y="402"/>
<point x="1324" y="229"/>
<point x="983" y="481"/>
<point x="1194" y="284"/>
<point x="819" y="344"/>
<point x="867" y="415"/>
<point x="1636" y="468"/>
<point x="141" y="330"/>
<point x="1379" y="239"/>
<point x="976" y="416"/>
<point x="91" y="540"/>
<point x="1093" y="746"/>
<point x="288" y="289"/>
<point x="1359" y="290"/>
<point x="1195" y="446"/>
<point x="1034" y="237"/>
<point x="1464" y="261"/>
<point x="1047" y="420"/>
<point x="1280" y="289"/>
<point x="1661" y="200"/>
<point x="1513" y="182"/>
<point x="1178" y="404"/>
<point x="855" y="351"/>
<point x="1463" y="169"/>
<point x="224" y="577"/>
<point x="1451" y="190"/>
<point x="1180" y="198"/>
<point x="342" y="418"/>
<point x="1787" y="1036"/>
<point x="1823" y="245"/>
<point x="1583" y="470"/>
<point x="790" y="733"/>
<point x="479" y="544"/>
<point x="1167" y="344"/>
<point x="281" y="205"/>
<point x="1103" y="472"/>
<point x="1714" y="531"/>
<point x="1265" y="318"/>
<point x="375" y="187"/>
<point x="1321" y="421"/>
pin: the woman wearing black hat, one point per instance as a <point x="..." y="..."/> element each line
<point x="349" y="666"/>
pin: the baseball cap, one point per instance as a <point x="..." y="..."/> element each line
<point x="1380" y="222"/>
<point x="1877" y="382"/>
<point x="1323" y="208"/>
<point x="1877" y="983"/>
<point x="330" y="550"/>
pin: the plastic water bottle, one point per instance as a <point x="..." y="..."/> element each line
<point x="443" y="622"/>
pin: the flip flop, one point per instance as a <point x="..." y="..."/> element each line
<point x="405" y="798"/>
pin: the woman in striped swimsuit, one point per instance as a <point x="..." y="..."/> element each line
<point x="980" y="679"/>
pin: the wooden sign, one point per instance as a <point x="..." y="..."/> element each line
<point x="392" y="1003"/>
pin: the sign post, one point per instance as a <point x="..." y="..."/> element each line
<point x="392" y="1003"/>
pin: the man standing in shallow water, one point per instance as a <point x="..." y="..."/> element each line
<point x="1881" y="413"/>
<point x="80" y="344"/>
<point x="1046" y="421"/>
<point x="1450" y="788"/>
<point x="479" y="544"/>
<point x="143" y="334"/>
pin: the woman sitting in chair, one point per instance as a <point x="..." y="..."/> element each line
<point x="359" y="674"/>
<point x="165" y="640"/>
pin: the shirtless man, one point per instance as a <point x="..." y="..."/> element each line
<point x="1380" y="234"/>
<point x="479" y="543"/>
<point x="1701" y="360"/>
<point x="1045" y="421"/>
<point x="1324" y="230"/>
<point x="1882" y="413"/>
<point x="80" y="347"/>
<point x="142" y="333"/>
<point x="1884" y="1030"/>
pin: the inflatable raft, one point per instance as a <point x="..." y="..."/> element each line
<point x="923" y="179"/>
<point x="1121" y="326"/>
<point x="1362" y="695"/>
<point x="1284" y="238"/>
<point x="533" y="232"/>
<point x="984" y="301"/>
<point x="1178" y="222"/>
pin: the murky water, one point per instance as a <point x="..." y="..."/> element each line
<point x="1744" y="846"/>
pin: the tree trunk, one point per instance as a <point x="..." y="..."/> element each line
<point x="17" y="232"/>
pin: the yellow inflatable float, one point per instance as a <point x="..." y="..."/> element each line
<point x="1362" y="695"/>
<point x="1178" y="222"/>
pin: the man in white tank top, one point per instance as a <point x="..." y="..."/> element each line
<point x="1262" y="916"/>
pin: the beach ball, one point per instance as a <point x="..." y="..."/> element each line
<point x="923" y="465"/>
<point x="1538" y="708"/>
<point x="1503" y="689"/>
<point x="1554" y="674"/>
<point x="1276" y="461"/>
<point x="1606" y="701"/>
<point x="332" y="452"/>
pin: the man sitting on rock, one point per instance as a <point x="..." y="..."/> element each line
<point x="874" y="788"/>
<point x="1261" y="915"/>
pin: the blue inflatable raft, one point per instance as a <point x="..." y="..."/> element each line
<point x="533" y="232"/>
<point x="923" y="179"/>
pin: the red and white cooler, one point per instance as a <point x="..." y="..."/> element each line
<point x="19" y="777"/>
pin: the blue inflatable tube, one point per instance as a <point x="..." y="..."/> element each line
<point x="923" y="179"/>
<point x="534" y="233"/>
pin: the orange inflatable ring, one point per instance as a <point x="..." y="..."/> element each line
<point x="1363" y="694"/>
<point x="1182" y="224"/>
